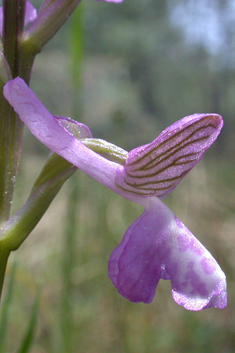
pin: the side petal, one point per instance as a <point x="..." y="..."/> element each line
<point x="155" y="169"/>
<point x="55" y="133"/>
<point x="61" y="135"/>
<point x="30" y="13"/>
<point x="158" y="245"/>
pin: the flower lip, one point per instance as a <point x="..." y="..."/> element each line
<point x="157" y="245"/>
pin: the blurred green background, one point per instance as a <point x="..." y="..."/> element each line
<point x="143" y="64"/>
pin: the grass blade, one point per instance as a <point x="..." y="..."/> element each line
<point x="30" y="332"/>
<point x="5" y="307"/>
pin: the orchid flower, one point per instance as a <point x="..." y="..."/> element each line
<point x="30" y="15"/>
<point x="157" y="245"/>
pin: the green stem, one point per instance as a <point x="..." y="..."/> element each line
<point x="4" y="254"/>
<point x="49" y="20"/>
<point x="67" y="266"/>
<point x="13" y="25"/>
<point x="10" y="136"/>
<point x="11" y="127"/>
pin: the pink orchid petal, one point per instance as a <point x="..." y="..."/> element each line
<point x="30" y="13"/>
<point x="51" y="132"/>
<point x="194" y="272"/>
<point x="159" y="245"/>
<point x="135" y="266"/>
<point x="54" y="132"/>
<point x="156" y="169"/>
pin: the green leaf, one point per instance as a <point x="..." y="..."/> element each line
<point x="54" y="166"/>
<point x="77" y="46"/>
<point x="5" y="72"/>
<point x="55" y="172"/>
<point x="5" y="306"/>
<point x="30" y="332"/>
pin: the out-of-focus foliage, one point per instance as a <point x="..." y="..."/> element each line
<point x="140" y="74"/>
<point x="171" y="77"/>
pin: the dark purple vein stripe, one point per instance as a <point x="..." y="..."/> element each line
<point x="164" y="164"/>
<point x="171" y="138"/>
<point x="158" y="167"/>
